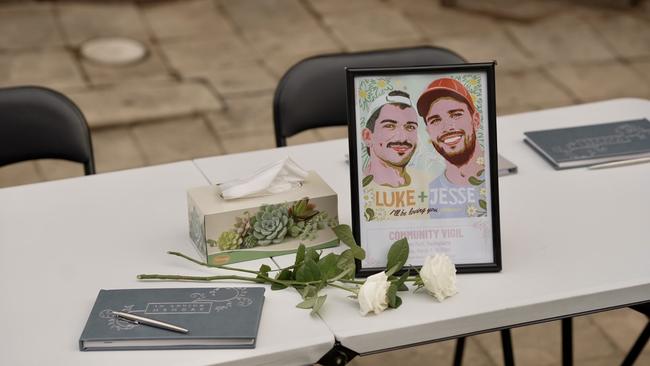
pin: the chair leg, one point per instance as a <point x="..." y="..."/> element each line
<point x="460" y="348"/>
<point x="506" y="342"/>
<point x="637" y="347"/>
<point x="567" y="342"/>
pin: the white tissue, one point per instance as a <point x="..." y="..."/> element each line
<point x="278" y="177"/>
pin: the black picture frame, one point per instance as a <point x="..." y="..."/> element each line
<point x="485" y="74"/>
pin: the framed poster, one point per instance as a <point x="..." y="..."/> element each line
<point x="423" y="164"/>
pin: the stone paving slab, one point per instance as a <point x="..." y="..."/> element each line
<point x="497" y="45"/>
<point x="329" y="7"/>
<point x="244" y="116"/>
<point x="152" y="68"/>
<point x="522" y="11"/>
<point x="53" y="169"/>
<point x="622" y="326"/>
<point x="528" y="90"/>
<point x="28" y="27"/>
<point x="193" y="18"/>
<point x="282" y="32"/>
<point x="116" y="149"/>
<point x="255" y="16"/>
<point x="19" y="173"/>
<point x="178" y="139"/>
<point x="440" y="353"/>
<point x="133" y="102"/>
<point x="376" y="27"/>
<point x="642" y="67"/>
<point x="626" y="34"/>
<point x="601" y="81"/>
<point x="243" y="78"/>
<point x="561" y="39"/>
<point x="332" y="133"/>
<point x="248" y="142"/>
<point x="54" y="68"/>
<point x="198" y="56"/>
<point x="281" y="55"/>
<point x="82" y="21"/>
<point x="304" y="137"/>
<point x="438" y="23"/>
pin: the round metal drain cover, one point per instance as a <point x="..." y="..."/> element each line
<point x="113" y="50"/>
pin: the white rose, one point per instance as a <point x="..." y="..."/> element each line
<point x="372" y="294"/>
<point x="439" y="276"/>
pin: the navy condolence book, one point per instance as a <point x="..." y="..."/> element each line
<point x="224" y="317"/>
<point x="593" y="144"/>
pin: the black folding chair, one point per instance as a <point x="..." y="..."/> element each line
<point x="40" y="123"/>
<point x="312" y="93"/>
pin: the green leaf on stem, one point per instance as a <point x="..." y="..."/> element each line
<point x="314" y="303"/>
<point x="399" y="282"/>
<point x="397" y="255"/>
<point x="308" y="271"/>
<point x="263" y="271"/>
<point x="320" y="300"/>
<point x="308" y="303"/>
<point x="394" y="301"/>
<point x="346" y="260"/>
<point x="392" y="270"/>
<point x="398" y="301"/>
<point x="418" y="280"/>
<point x="347" y="274"/>
<point x="344" y="234"/>
<point x="312" y="254"/>
<point x="300" y="254"/>
<point x="327" y="266"/>
<point x="308" y="291"/>
<point x="483" y="204"/>
<point x="284" y="275"/>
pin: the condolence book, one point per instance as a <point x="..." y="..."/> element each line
<point x="593" y="144"/>
<point x="225" y="317"/>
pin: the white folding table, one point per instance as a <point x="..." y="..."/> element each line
<point x="63" y="241"/>
<point x="573" y="241"/>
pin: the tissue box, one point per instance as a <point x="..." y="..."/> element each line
<point x="229" y="231"/>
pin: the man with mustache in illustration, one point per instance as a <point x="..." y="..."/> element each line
<point x="451" y="120"/>
<point x="390" y="137"/>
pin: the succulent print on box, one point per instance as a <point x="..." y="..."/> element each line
<point x="274" y="224"/>
<point x="197" y="229"/>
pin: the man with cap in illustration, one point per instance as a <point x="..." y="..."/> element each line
<point x="451" y="120"/>
<point x="390" y="137"/>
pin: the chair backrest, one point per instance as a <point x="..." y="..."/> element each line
<point x="312" y="93"/>
<point x="40" y="123"/>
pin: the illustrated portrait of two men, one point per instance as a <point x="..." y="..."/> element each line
<point x="422" y="147"/>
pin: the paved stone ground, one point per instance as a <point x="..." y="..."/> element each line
<point x="207" y="84"/>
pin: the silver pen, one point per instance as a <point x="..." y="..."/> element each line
<point x="150" y="322"/>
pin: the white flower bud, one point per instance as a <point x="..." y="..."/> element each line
<point x="372" y="294"/>
<point x="439" y="276"/>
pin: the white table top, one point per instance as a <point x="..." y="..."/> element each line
<point x="62" y="241"/>
<point x="573" y="241"/>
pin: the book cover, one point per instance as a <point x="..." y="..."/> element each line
<point x="223" y="317"/>
<point x="592" y="144"/>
